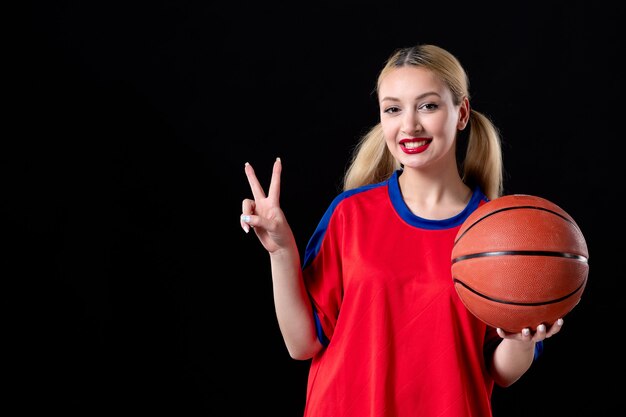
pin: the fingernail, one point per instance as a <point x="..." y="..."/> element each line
<point x="246" y="164"/>
<point x="245" y="218"/>
<point x="541" y="328"/>
<point x="525" y="332"/>
<point x="245" y="227"/>
<point x="278" y="159"/>
<point x="559" y="322"/>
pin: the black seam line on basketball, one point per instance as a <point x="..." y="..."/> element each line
<point x="541" y="303"/>
<point x="512" y="208"/>
<point x="521" y="253"/>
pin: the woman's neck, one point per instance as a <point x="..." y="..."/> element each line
<point x="434" y="197"/>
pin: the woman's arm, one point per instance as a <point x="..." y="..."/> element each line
<point x="515" y="353"/>
<point x="293" y="307"/>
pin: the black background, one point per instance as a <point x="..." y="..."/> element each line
<point x="141" y="292"/>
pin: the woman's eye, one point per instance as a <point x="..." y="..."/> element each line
<point x="429" y="106"/>
<point x="392" y="110"/>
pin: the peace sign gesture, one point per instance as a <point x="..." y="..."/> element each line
<point x="263" y="212"/>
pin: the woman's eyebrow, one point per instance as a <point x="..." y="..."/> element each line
<point x="421" y="96"/>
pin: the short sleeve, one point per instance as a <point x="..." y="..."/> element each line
<point x="322" y="272"/>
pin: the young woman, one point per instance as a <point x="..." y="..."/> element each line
<point x="372" y="300"/>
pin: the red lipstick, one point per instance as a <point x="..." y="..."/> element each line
<point x="414" y="145"/>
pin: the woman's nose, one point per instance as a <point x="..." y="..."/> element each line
<point x="411" y="124"/>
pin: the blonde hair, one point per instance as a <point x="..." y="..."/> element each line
<point x="482" y="166"/>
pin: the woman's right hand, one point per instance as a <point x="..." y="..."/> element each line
<point x="263" y="212"/>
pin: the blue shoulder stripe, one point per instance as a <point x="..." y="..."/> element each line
<point x="315" y="242"/>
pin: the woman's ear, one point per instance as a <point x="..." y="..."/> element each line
<point x="464" y="114"/>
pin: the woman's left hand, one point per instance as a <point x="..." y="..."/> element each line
<point x="542" y="332"/>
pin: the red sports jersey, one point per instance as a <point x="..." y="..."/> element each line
<point x="399" y="341"/>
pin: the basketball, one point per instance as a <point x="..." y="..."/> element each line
<point x="519" y="261"/>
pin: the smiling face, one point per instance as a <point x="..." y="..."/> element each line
<point x="419" y="118"/>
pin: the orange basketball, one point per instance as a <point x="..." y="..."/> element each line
<point x="519" y="261"/>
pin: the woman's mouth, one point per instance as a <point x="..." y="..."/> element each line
<point x="413" y="146"/>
